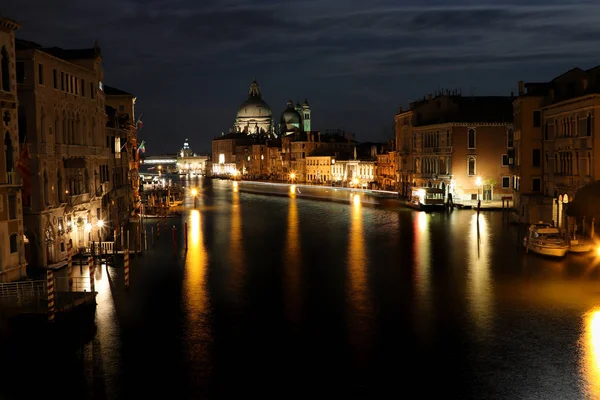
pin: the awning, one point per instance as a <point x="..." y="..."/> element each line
<point x="75" y="162"/>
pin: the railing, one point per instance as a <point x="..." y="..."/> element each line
<point x="20" y="292"/>
<point x="78" y="199"/>
<point x="80" y="284"/>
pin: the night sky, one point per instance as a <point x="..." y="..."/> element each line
<point x="190" y="62"/>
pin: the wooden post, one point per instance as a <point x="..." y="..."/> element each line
<point x="174" y="239"/>
<point x="145" y="240"/>
<point x="152" y="235"/>
<point x="158" y="230"/>
<point x="92" y="271"/>
<point x="185" y="232"/>
<point x="128" y="242"/>
<point x="70" y="269"/>
<point x="126" y="267"/>
<point x="50" y="285"/>
<point x="122" y="239"/>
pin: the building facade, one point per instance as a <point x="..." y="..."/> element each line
<point x="62" y="122"/>
<point x="458" y="144"/>
<point x="190" y="163"/>
<point x="557" y="143"/>
<point x="12" y="242"/>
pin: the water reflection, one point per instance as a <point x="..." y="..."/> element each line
<point x="236" y="253"/>
<point x="478" y="274"/>
<point x="196" y="297"/>
<point x="292" y="261"/>
<point x="590" y="357"/>
<point x="422" y="267"/>
<point x="358" y="286"/>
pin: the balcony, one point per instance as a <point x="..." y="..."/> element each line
<point x="77" y="199"/>
<point x="436" y="150"/>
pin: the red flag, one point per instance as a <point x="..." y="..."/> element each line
<point x="25" y="172"/>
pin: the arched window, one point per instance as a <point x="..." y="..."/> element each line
<point x="8" y="151"/>
<point x="4" y="70"/>
<point x="65" y="134"/>
<point x="546" y="163"/>
<point x="546" y="131"/>
<point x="86" y="181"/>
<point x="589" y="125"/>
<point x="576" y="164"/>
<point x="43" y="125"/>
<point x="46" y="189"/>
<point x="588" y="164"/>
<point x="61" y="189"/>
<point x="471" y="138"/>
<point x="13" y="243"/>
<point x="471" y="166"/>
<point x="555" y="163"/>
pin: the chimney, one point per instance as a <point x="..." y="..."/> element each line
<point x="319" y="133"/>
<point x="429" y="97"/>
<point x="521" y="88"/>
<point x="400" y="110"/>
<point x="584" y="83"/>
<point x="551" y="94"/>
<point x="512" y="94"/>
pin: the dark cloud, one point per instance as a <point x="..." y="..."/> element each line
<point x="185" y="58"/>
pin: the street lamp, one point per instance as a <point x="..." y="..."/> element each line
<point x="292" y="176"/>
<point x="100" y="226"/>
<point x="478" y="183"/>
<point x="194" y="193"/>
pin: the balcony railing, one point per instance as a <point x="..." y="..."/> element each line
<point x="78" y="199"/>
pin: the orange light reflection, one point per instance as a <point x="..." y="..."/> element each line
<point x="478" y="275"/>
<point x="590" y="361"/>
<point x="422" y="269"/>
<point x="292" y="262"/>
<point x="358" y="284"/>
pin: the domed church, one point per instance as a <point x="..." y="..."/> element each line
<point x="254" y="115"/>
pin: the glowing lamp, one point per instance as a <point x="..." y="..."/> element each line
<point x="100" y="223"/>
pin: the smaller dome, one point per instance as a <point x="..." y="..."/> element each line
<point x="290" y="118"/>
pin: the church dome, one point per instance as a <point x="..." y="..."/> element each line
<point x="254" y="106"/>
<point x="290" y="118"/>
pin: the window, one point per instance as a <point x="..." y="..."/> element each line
<point x="505" y="160"/>
<point x="536" y="184"/>
<point x="20" y="72"/>
<point x="41" y="74"/>
<point x="62" y="81"/>
<point x="506" y="182"/>
<point x="589" y="125"/>
<point x="121" y="108"/>
<point x="13" y="243"/>
<point x="12" y="207"/>
<point x="471" y="138"/>
<point x="92" y="89"/>
<point x="5" y="70"/>
<point x="510" y="139"/>
<point x="82" y="88"/>
<point x="471" y="167"/>
<point x="537" y="157"/>
<point x="537" y="119"/>
<point x="55" y="78"/>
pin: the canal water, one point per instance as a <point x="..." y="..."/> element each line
<point x="288" y="298"/>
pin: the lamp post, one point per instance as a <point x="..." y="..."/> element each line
<point x="478" y="183"/>
<point x="194" y="193"/>
<point x="292" y="176"/>
<point x="100" y="226"/>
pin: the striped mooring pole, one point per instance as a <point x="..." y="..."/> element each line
<point x="158" y="230"/>
<point x="70" y="269"/>
<point x="126" y="266"/>
<point x="50" y="284"/>
<point x="92" y="270"/>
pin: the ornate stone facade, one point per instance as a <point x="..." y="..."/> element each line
<point x="12" y="254"/>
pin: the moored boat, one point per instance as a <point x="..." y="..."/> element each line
<point x="580" y="244"/>
<point x="544" y="239"/>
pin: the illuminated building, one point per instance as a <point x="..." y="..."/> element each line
<point x="12" y="254"/>
<point x="556" y="137"/>
<point x="190" y="163"/>
<point x="448" y="141"/>
<point x="62" y="121"/>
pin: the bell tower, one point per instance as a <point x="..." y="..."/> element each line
<point x="305" y="114"/>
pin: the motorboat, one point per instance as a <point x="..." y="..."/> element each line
<point x="427" y="199"/>
<point x="544" y="239"/>
<point x="580" y="244"/>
